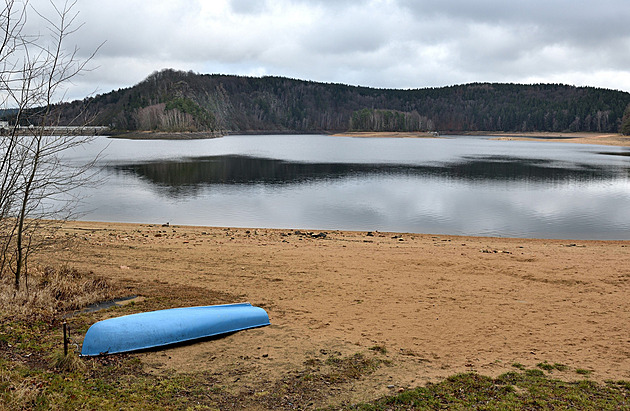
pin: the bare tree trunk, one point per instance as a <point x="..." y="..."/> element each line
<point x="22" y="216"/>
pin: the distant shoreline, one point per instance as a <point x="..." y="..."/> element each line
<point x="387" y="134"/>
<point x="158" y="135"/>
<point x="200" y="135"/>
<point x="612" y="139"/>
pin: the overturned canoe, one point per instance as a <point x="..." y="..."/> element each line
<point x="157" y="328"/>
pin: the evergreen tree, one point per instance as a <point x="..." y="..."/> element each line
<point x="625" y="122"/>
<point x="171" y="100"/>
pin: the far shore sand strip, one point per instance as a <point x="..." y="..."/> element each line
<point x="578" y="138"/>
<point x="565" y="137"/>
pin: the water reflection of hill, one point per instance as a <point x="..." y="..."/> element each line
<point x="185" y="177"/>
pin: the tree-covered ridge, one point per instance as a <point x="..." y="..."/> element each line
<point x="172" y="100"/>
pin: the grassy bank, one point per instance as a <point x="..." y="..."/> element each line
<point x="34" y="373"/>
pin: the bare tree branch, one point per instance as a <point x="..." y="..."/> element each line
<point x="35" y="183"/>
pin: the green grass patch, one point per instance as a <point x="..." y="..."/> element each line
<point x="379" y="349"/>
<point x="560" y="367"/>
<point x="31" y="378"/>
<point x="348" y="368"/>
<point x="545" y="366"/>
<point x="513" y="390"/>
<point x="551" y="367"/>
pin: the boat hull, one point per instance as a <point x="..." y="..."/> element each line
<point x="164" y="327"/>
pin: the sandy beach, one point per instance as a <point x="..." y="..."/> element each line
<point x="438" y="305"/>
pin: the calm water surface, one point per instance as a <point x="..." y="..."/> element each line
<point x="458" y="185"/>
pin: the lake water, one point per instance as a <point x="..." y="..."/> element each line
<point x="455" y="185"/>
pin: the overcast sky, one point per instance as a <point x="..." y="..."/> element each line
<point x="381" y="43"/>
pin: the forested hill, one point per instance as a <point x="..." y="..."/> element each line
<point x="183" y="101"/>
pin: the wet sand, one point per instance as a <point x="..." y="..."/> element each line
<point x="438" y="304"/>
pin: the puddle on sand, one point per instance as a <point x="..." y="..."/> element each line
<point x="117" y="302"/>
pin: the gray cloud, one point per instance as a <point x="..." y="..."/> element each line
<point x="248" y="6"/>
<point x="395" y="43"/>
<point x="584" y="22"/>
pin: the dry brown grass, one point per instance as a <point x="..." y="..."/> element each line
<point x="52" y="291"/>
<point x="66" y="362"/>
<point x="23" y="394"/>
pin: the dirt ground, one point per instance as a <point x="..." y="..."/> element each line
<point x="437" y="304"/>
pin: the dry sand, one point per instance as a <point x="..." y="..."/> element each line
<point x="439" y="304"/>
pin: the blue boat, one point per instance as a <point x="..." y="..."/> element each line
<point x="164" y="327"/>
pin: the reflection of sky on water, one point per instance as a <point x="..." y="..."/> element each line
<point x="458" y="186"/>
